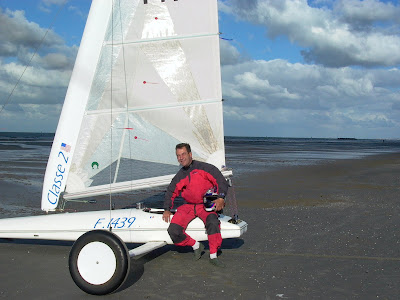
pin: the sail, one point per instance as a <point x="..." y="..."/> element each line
<point x="147" y="77"/>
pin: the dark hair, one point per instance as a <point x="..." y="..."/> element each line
<point x="183" y="145"/>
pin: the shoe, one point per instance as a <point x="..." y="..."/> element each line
<point x="216" y="262"/>
<point x="198" y="252"/>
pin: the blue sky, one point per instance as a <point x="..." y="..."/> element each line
<point x="293" y="68"/>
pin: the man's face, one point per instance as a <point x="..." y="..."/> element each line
<point x="183" y="157"/>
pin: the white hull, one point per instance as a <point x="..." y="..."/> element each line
<point x="131" y="225"/>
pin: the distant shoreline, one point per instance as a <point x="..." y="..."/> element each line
<point x="228" y="136"/>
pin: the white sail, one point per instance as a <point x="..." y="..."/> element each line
<point x="147" y="76"/>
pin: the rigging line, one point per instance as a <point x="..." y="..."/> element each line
<point x="232" y="199"/>
<point x="127" y="106"/>
<point x="118" y="162"/>
<point x="121" y="149"/>
<point x="111" y="107"/>
<point x="126" y="95"/>
<point x="33" y="55"/>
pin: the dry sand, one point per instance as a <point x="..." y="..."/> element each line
<point x="327" y="231"/>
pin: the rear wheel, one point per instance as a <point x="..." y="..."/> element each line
<point x="99" y="262"/>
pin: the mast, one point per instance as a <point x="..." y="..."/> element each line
<point x="64" y="142"/>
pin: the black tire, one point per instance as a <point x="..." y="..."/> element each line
<point x="99" y="262"/>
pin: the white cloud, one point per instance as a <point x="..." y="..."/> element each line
<point x="348" y="84"/>
<point x="229" y="54"/>
<point x="336" y="38"/>
<point x="46" y="65"/>
<point x="363" y="14"/>
<point x="24" y="35"/>
<point x="299" y="95"/>
<point x="78" y="11"/>
<point x="44" y="5"/>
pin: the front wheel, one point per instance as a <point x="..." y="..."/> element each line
<point x="99" y="262"/>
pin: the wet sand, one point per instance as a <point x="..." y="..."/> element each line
<point x="328" y="231"/>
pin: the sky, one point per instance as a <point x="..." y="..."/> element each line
<point x="290" y="68"/>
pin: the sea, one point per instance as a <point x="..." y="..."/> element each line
<point x="23" y="159"/>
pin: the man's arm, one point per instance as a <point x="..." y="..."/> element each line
<point x="216" y="177"/>
<point x="219" y="204"/>
<point x="168" y="202"/>
<point x="173" y="190"/>
<point x="218" y="180"/>
<point x="167" y="216"/>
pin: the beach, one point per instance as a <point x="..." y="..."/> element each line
<point x="323" y="231"/>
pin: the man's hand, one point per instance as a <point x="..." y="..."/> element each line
<point x="219" y="204"/>
<point x="167" y="216"/>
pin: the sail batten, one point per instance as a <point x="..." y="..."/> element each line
<point x="170" y="38"/>
<point x="147" y="108"/>
<point x="156" y="82"/>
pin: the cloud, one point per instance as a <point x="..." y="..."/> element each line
<point x="24" y="35"/>
<point x="310" y="96"/>
<point x="229" y="54"/>
<point x="362" y="15"/>
<point x="343" y="36"/>
<point x="347" y="85"/>
<point x="55" y="61"/>
<point x="44" y="5"/>
<point x="78" y="11"/>
<point x="43" y="59"/>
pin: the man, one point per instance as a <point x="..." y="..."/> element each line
<point x="191" y="182"/>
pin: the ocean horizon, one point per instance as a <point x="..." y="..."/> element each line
<point x="23" y="160"/>
<point x="241" y="152"/>
<point x="344" y="137"/>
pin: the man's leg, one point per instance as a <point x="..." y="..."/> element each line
<point x="179" y="223"/>
<point x="213" y="228"/>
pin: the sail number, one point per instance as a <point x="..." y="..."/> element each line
<point x="115" y="223"/>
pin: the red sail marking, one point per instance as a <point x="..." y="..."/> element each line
<point x="138" y="138"/>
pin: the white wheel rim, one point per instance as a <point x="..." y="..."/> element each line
<point x="96" y="263"/>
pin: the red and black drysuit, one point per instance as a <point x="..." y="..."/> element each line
<point x="191" y="183"/>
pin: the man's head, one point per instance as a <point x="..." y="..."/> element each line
<point x="183" y="154"/>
